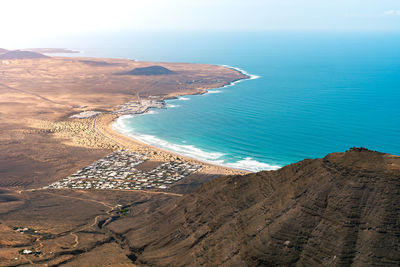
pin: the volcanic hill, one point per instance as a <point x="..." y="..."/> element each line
<point x="341" y="210"/>
<point x="151" y="70"/>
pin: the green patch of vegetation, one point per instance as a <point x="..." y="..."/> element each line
<point x="124" y="211"/>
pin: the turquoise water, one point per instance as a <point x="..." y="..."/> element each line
<point x="316" y="93"/>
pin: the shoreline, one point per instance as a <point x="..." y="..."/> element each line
<point x="112" y="126"/>
<point x="51" y="145"/>
<point x="206" y="90"/>
<point x="104" y="124"/>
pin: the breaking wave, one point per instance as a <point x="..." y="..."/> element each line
<point x="187" y="150"/>
<point x="214" y="91"/>
<point x="247" y="164"/>
<point x="252" y="165"/>
<point x="150" y="112"/>
<point x="252" y="76"/>
<point x="172" y="106"/>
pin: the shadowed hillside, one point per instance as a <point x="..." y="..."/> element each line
<point x="341" y="210"/>
<point x="18" y="54"/>
<point x="2" y="50"/>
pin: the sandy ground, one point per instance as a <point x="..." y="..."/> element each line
<point x="39" y="145"/>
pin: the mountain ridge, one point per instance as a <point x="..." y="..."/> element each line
<point x="340" y="210"/>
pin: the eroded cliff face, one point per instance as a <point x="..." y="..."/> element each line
<point x="340" y="210"/>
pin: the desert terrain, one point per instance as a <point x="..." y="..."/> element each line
<point x="40" y="145"/>
<point x="340" y="210"/>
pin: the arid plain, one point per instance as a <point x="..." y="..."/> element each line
<point x="40" y="145"/>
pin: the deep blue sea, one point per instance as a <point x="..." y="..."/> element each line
<point x="316" y="93"/>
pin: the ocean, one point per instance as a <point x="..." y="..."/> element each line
<point x="311" y="94"/>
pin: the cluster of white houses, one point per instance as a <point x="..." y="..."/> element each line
<point x="86" y="114"/>
<point x="140" y="106"/>
<point x="118" y="171"/>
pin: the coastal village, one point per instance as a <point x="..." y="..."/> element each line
<point x="138" y="106"/>
<point x="118" y="171"/>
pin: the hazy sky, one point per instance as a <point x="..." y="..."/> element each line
<point x="22" y="20"/>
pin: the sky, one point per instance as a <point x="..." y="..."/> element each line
<point x="23" y="20"/>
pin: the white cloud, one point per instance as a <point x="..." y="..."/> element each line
<point x="392" y="12"/>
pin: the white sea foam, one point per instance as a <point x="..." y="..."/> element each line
<point x="214" y="91"/>
<point x="252" y="76"/>
<point x="172" y="106"/>
<point x="250" y="164"/>
<point x="120" y="124"/>
<point x="186" y="150"/>
<point x="183" y="98"/>
<point x="247" y="164"/>
<point x="150" y="112"/>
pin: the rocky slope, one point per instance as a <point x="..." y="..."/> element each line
<point x="341" y="210"/>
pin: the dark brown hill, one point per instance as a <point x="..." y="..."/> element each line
<point x="151" y="70"/>
<point x="18" y="54"/>
<point x="341" y="210"/>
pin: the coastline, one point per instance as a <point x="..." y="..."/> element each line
<point x="204" y="91"/>
<point x="51" y="145"/>
<point x="104" y="124"/>
<point x="195" y="154"/>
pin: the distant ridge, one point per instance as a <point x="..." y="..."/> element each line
<point x="341" y="210"/>
<point x="97" y="63"/>
<point x="18" y="54"/>
<point x="51" y="50"/>
<point x="151" y="70"/>
<point x="2" y="51"/>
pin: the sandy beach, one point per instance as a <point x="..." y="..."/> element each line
<point x="99" y="133"/>
<point x="104" y="126"/>
<point x="41" y="144"/>
<point x="44" y="93"/>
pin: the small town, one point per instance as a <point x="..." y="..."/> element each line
<point x="140" y="106"/>
<point x="118" y="171"/>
